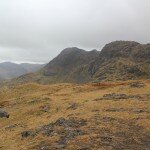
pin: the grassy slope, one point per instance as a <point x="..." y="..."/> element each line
<point x="111" y="123"/>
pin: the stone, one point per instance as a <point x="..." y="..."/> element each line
<point x="137" y="85"/>
<point x="26" y="134"/>
<point x="115" y="96"/>
<point x="3" y="114"/>
<point x="138" y="110"/>
<point x="43" y="146"/>
<point x="73" y="106"/>
<point x="45" y="108"/>
<point x="9" y="127"/>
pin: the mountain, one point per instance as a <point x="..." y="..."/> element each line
<point x="68" y="61"/>
<point x="62" y="66"/>
<point x="118" y="60"/>
<point x="121" y="60"/>
<point x="10" y="70"/>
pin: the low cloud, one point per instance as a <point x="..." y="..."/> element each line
<point x="37" y="30"/>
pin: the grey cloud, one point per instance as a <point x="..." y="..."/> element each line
<point x="37" y="30"/>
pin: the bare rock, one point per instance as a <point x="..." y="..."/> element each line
<point x="3" y="114"/>
<point x="26" y="134"/>
<point x="73" y="106"/>
<point x="137" y="85"/>
<point x="45" y="108"/>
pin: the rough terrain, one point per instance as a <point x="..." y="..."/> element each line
<point x="98" y="116"/>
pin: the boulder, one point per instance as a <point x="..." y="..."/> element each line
<point x="26" y="134"/>
<point x="3" y="114"/>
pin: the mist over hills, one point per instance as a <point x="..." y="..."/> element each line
<point x="9" y="70"/>
<point x="118" y="60"/>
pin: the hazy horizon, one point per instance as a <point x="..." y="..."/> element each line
<point x="36" y="31"/>
<point x="22" y="62"/>
<point x="38" y="62"/>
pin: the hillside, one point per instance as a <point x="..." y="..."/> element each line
<point x="103" y="113"/>
<point x="107" y="116"/>
<point x="119" y="60"/>
<point x="10" y="70"/>
<point x="62" y="66"/>
<point x="67" y="62"/>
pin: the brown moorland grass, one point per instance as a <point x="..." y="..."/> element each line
<point x="71" y="116"/>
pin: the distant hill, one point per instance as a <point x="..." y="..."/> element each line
<point x="119" y="60"/>
<point x="10" y="70"/>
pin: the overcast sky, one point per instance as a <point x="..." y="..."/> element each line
<point x="37" y="30"/>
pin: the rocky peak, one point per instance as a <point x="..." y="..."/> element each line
<point x="69" y="59"/>
<point x="71" y="50"/>
<point x="118" y="49"/>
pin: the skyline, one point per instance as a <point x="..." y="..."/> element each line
<point x="37" y="31"/>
